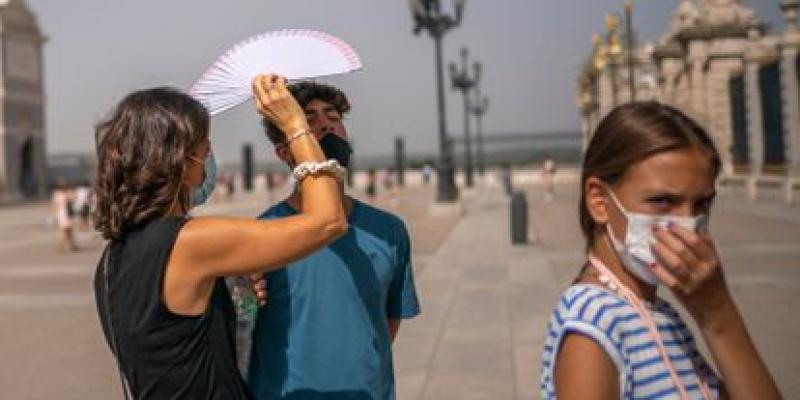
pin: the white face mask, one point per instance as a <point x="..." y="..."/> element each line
<point x="636" y="252"/>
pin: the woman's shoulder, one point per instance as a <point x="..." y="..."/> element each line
<point x="155" y="232"/>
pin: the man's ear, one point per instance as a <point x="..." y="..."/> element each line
<point x="595" y="199"/>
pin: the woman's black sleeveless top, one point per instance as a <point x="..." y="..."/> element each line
<point x="164" y="355"/>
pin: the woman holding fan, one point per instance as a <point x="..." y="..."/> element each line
<point x="164" y="306"/>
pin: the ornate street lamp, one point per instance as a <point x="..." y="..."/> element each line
<point x="428" y="16"/>
<point x="464" y="83"/>
<point x="614" y="51"/>
<point x="630" y="47"/>
<point x="479" y="107"/>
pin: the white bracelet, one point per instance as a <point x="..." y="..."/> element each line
<point x="306" y="168"/>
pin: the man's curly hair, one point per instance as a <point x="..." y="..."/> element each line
<point x="304" y="92"/>
<point x="141" y="150"/>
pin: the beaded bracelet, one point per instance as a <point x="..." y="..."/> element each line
<point x="306" y="168"/>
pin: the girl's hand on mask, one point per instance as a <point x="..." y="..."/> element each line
<point x="689" y="265"/>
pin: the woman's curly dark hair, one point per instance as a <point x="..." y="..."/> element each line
<point x="141" y="152"/>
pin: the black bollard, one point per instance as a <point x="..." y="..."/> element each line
<point x="247" y="167"/>
<point x="350" y="178"/>
<point x="400" y="161"/>
<point x="519" y="218"/>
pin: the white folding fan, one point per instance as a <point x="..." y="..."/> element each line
<point x="292" y="53"/>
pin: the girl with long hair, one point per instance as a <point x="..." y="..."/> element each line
<point x="647" y="188"/>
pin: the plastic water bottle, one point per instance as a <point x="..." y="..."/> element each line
<point x="246" y="305"/>
<point x="244" y="299"/>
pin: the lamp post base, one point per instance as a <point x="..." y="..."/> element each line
<point x="446" y="192"/>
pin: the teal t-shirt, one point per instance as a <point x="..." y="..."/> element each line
<point x="324" y="332"/>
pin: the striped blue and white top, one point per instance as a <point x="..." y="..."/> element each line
<point x="615" y="325"/>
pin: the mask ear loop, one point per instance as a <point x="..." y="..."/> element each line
<point x="611" y="239"/>
<point x="616" y="201"/>
<point x="195" y="159"/>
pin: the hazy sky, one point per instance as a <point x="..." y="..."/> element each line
<point x="99" y="50"/>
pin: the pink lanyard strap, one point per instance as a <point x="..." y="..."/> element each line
<point x="615" y="285"/>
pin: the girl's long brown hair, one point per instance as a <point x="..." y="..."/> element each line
<point x="142" y="149"/>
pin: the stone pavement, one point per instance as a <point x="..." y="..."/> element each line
<point x="485" y="303"/>
<point x="51" y="346"/>
<point x="476" y="336"/>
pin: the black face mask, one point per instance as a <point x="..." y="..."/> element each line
<point x="336" y="148"/>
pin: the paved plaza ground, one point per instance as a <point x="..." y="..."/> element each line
<point x="485" y="303"/>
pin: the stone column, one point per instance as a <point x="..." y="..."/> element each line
<point x="718" y="103"/>
<point x="670" y="69"/>
<point x="22" y="102"/>
<point x="755" y="119"/>
<point x="790" y="94"/>
<point x="698" y="56"/>
<point x="586" y="130"/>
<point x="606" y="99"/>
<point x="587" y="103"/>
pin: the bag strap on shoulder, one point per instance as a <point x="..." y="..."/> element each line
<point x="126" y="389"/>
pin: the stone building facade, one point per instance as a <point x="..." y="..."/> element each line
<point x="22" y="100"/>
<point x="718" y="63"/>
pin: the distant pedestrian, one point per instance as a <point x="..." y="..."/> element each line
<point x="230" y="184"/>
<point x="387" y="178"/>
<point x="427" y="172"/>
<point x="271" y="184"/>
<point x="506" y="178"/>
<point x="548" y="177"/>
<point x="83" y="204"/>
<point x="372" y="184"/>
<point x="63" y="211"/>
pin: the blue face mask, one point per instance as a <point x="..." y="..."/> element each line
<point x="202" y="193"/>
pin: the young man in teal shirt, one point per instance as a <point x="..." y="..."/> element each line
<point x="330" y="319"/>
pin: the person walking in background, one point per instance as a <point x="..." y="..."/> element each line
<point x="548" y="177"/>
<point x="372" y="185"/>
<point x="648" y="185"/>
<point x="83" y="204"/>
<point x="506" y="178"/>
<point x="62" y="207"/>
<point x="230" y="186"/>
<point x="427" y="172"/>
<point x="387" y="177"/>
